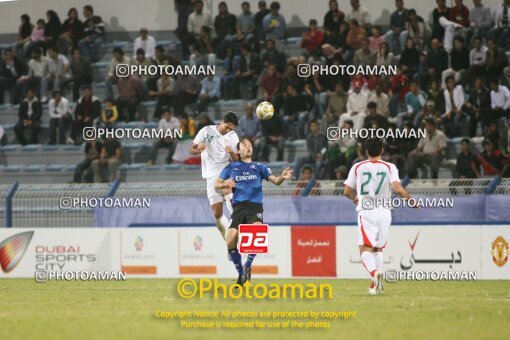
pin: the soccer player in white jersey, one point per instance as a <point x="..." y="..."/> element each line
<point x="217" y="146"/>
<point x="373" y="179"/>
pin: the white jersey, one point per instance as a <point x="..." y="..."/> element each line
<point x="215" y="158"/>
<point x="372" y="179"/>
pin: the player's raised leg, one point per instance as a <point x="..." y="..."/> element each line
<point x="222" y="222"/>
<point x="235" y="255"/>
<point x="249" y="261"/>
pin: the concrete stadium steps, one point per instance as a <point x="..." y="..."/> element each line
<point x="60" y="173"/>
<point x="133" y="153"/>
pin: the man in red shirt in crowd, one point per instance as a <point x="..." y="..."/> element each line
<point x="493" y="162"/>
<point x="313" y="38"/>
<point x="271" y="84"/>
<point x="459" y="14"/>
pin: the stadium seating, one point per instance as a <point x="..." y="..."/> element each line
<point x="43" y="163"/>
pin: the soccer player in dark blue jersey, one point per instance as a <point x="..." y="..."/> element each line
<point x="245" y="177"/>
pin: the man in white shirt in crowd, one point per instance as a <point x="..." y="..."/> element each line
<point x="360" y="14"/>
<point x="477" y="58"/>
<point x="37" y="75"/>
<point x="58" y="109"/>
<point x="196" y="21"/>
<point x="58" y="68"/>
<point x="500" y="100"/>
<point x="145" y="42"/>
<point x="169" y="125"/>
<point x="356" y="107"/>
<point x="118" y="58"/>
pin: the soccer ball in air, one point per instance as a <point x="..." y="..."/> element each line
<point x="265" y="110"/>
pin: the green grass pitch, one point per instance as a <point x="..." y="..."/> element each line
<point x="126" y="310"/>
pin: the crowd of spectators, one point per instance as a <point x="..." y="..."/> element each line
<point x="452" y="80"/>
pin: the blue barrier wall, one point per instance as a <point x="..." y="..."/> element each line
<point x="306" y="210"/>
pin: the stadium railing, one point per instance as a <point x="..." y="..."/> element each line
<point x="40" y="205"/>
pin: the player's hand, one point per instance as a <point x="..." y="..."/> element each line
<point x="229" y="150"/>
<point x="201" y="147"/>
<point x="229" y="183"/>
<point x="355" y="200"/>
<point x="413" y="204"/>
<point x="287" y="173"/>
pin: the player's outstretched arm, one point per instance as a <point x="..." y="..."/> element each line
<point x="224" y="184"/>
<point x="286" y="175"/>
<point x="399" y="189"/>
<point x="196" y="149"/>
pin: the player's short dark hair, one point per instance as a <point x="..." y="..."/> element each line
<point x="89" y="8"/>
<point x="140" y="51"/>
<point x="239" y="143"/>
<point x="231" y="117"/>
<point x="374" y="147"/>
<point x="372" y="105"/>
<point x="465" y="141"/>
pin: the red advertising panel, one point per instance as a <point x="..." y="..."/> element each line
<point x="313" y="251"/>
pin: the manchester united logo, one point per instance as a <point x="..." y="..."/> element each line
<point x="500" y="251"/>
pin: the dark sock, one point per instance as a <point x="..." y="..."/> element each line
<point x="236" y="258"/>
<point x="250" y="259"/>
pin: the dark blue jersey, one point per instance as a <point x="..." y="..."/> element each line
<point x="248" y="178"/>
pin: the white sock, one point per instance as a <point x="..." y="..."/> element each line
<point x="378" y="259"/>
<point x="368" y="261"/>
<point x="228" y="203"/>
<point x="222" y="224"/>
